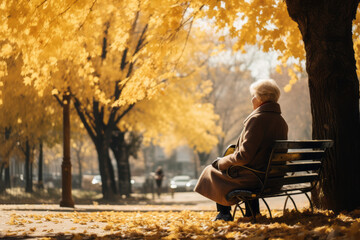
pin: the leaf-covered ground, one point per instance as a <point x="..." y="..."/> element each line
<point x="181" y="225"/>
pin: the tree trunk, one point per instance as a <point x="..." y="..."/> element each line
<point x="203" y="157"/>
<point x="80" y="168"/>
<point x="2" y="182"/>
<point x="40" y="167"/>
<point x="7" y="161"/>
<point x="326" y="28"/>
<point x="120" y="150"/>
<point x="112" y="175"/>
<point x="7" y="176"/>
<point x="103" y="158"/>
<point x="28" y="180"/>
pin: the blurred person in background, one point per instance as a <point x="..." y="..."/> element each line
<point x="159" y="176"/>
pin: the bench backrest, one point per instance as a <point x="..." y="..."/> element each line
<point x="295" y="165"/>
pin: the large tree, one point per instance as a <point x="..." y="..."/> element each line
<point x="326" y="30"/>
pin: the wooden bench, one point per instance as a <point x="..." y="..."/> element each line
<point x="294" y="167"/>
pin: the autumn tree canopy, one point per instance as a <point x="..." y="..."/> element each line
<point x="128" y="66"/>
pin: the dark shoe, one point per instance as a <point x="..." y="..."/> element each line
<point x="225" y="217"/>
<point x="248" y="214"/>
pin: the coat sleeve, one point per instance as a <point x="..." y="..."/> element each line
<point x="248" y="147"/>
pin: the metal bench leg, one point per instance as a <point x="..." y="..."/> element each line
<point x="267" y="206"/>
<point x="234" y="212"/>
<point x="311" y="205"/>
<point x="238" y="205"/>
<point x="285" y="204"/>
<point x="288" y="196"/>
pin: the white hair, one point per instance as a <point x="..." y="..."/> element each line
<point x="265" y="90"/>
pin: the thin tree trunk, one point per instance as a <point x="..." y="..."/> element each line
<point x="7" y="176"/>
<point x="203" y="157"/>
<point x="2" y="182"/>
<point x="28" y="180"/>
<point x="40" y="167"/>
<point x="80" y="168"/>
<point x="7" y="161"/>
<point x="326" y="28"/>
<point x="31" y="175"/>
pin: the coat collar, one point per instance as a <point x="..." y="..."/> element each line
<point x="267" y="107"/>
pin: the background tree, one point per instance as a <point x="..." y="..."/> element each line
<point x="27" y="118"/>
<point x="229" y="73"/>
<point x="95" y="53"/>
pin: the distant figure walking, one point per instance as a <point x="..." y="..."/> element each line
<point x="159" y="176"/>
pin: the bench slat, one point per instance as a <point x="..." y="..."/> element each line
<point x="277" y="170"/>
<point x="285" y="144"/>
<point x="284" y="191"/>
<point x="295" y="156"/>
<point x="287" y="180"/>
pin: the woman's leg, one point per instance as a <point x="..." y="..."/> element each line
<point x="255" y="206"/>
<point x="224" y="213"/>
<point x="223" y="209"/>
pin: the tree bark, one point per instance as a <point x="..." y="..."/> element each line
<point x="112" y="175"/>
<point x="40" y="167"/>
<point x="7" y="160"/>
<point x="103" y="158"/>
<point x="7" y="176"/>
<point x="27" y="170"/>
<point x="2" y="182"/>
<point x="120" y="150"/>
<point x="80" y="168"/>
<point x="203" y="157"/>
<point x="326" y="28"/>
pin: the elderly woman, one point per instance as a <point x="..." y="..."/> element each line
<point x="261" y="128"/>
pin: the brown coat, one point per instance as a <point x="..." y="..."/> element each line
<point x="261" y="128"/>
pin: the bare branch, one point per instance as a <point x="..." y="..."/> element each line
<point x="124" y="113"/>
<point x="141" y="40"/>
<point x="104" y="46"/>
<point x="186" y="41"/>
<point x="90" y="10"/>
<point x="42" y="3"/>
<point x="67" y="9"/>
<point x="59" y="100"/>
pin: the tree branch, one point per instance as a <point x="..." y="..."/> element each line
<point x="90" y="10"/>
<point x="124" y="113"/>
<point x="104" y="46"/>
<point x="87" y="126"/>
<point x="59" y="100"/>
<point x="141" y="40"/>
